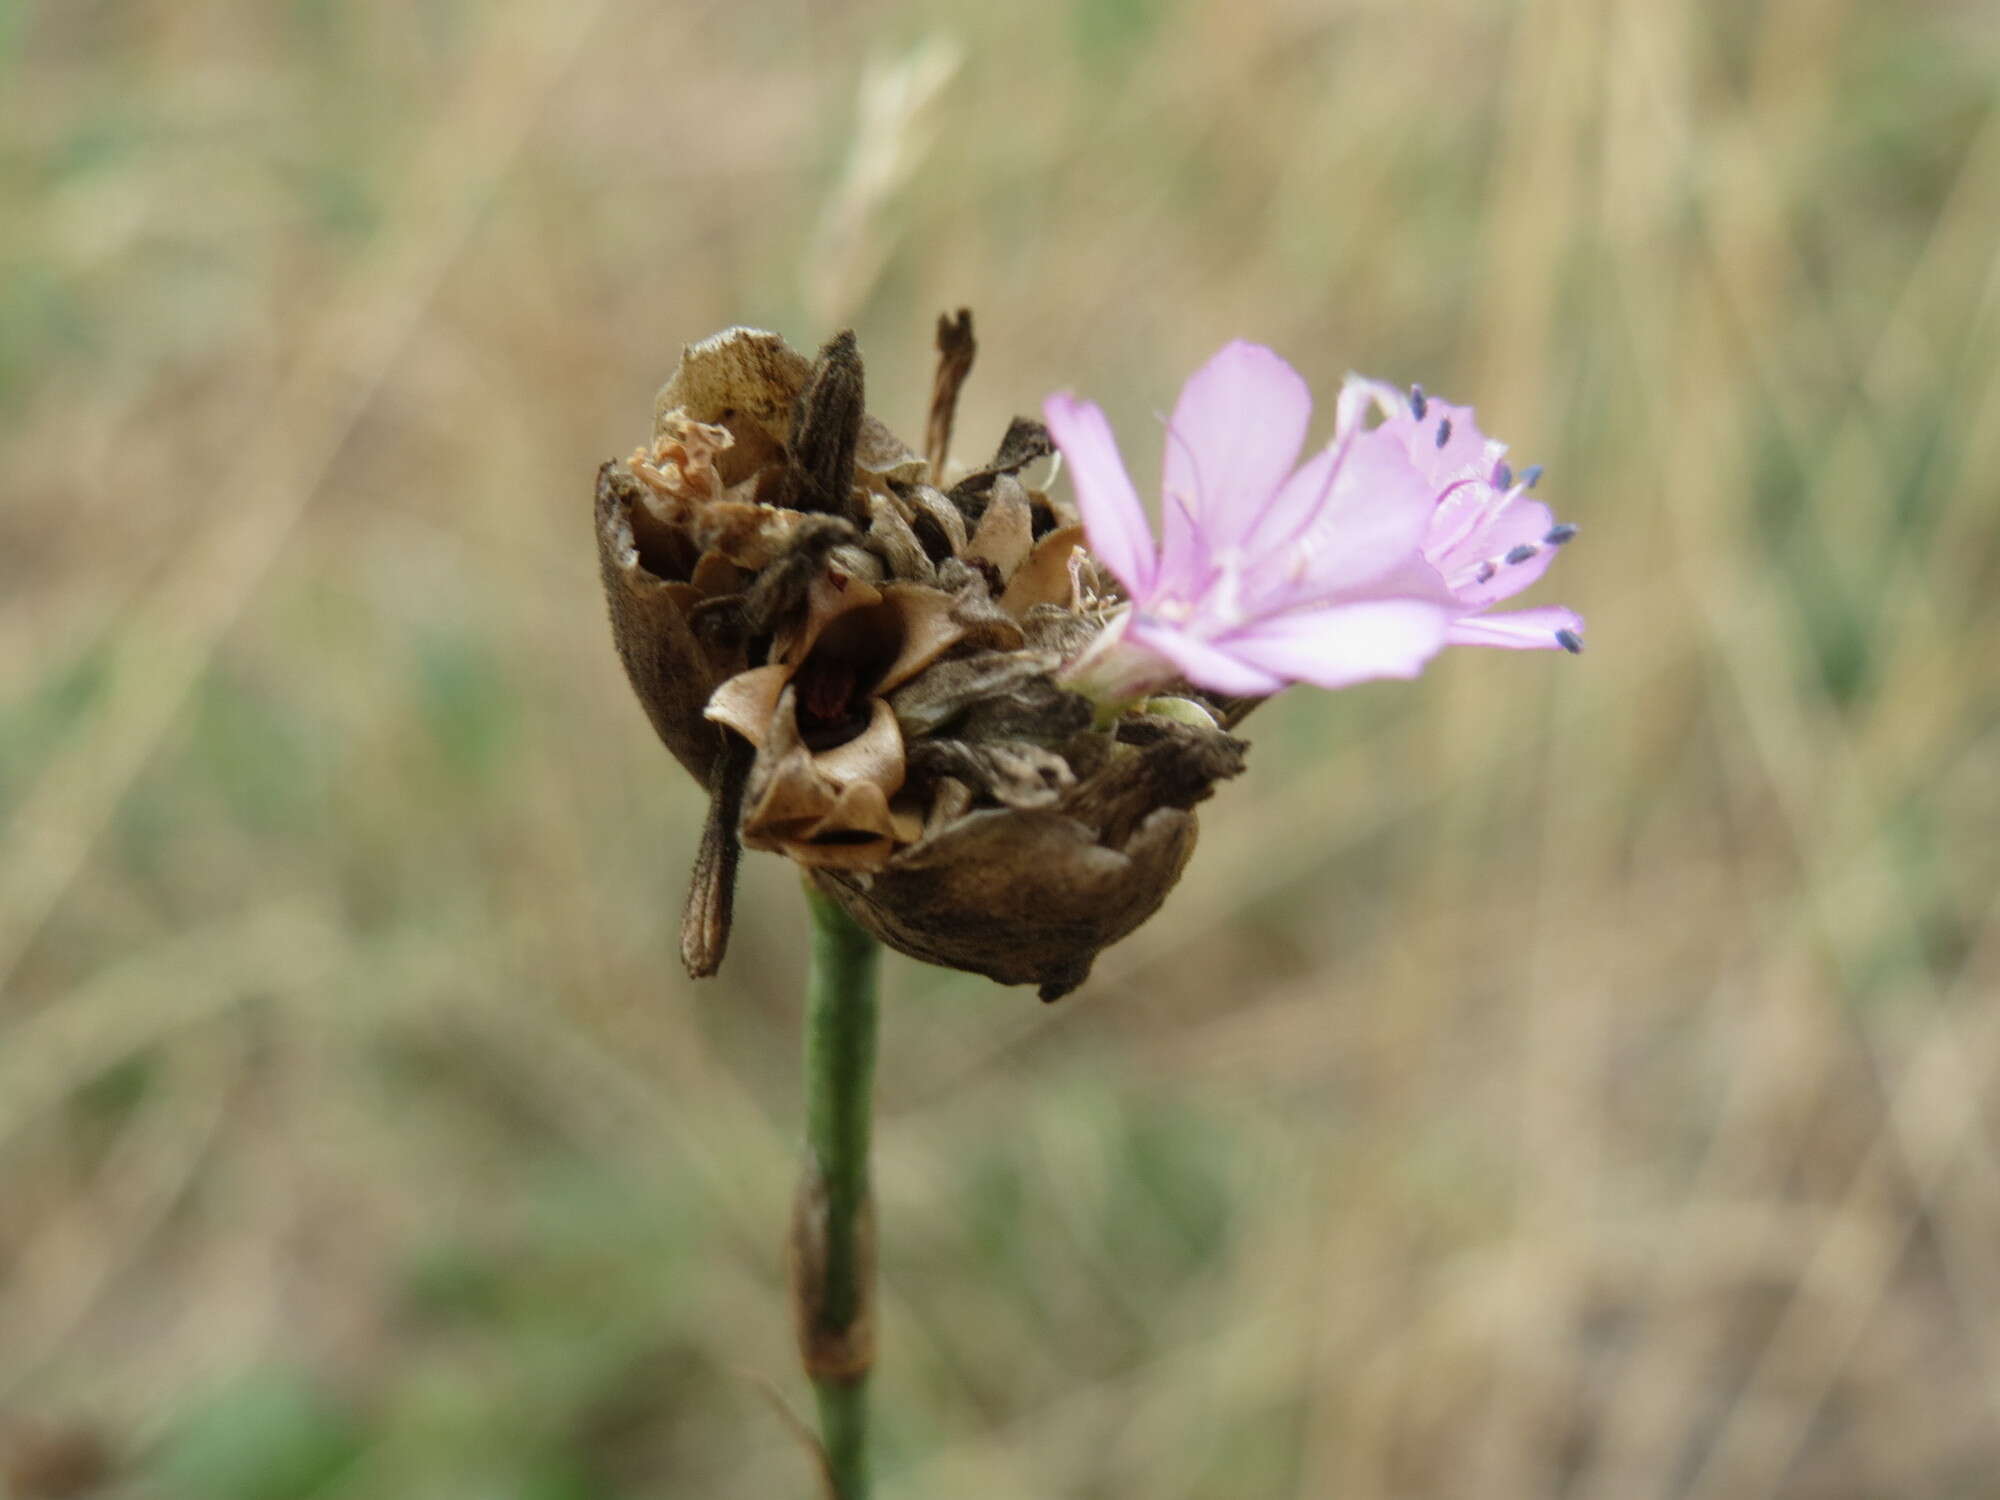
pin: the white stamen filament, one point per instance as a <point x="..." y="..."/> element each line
<point x="1477" y="517"/>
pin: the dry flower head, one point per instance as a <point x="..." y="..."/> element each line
<point x="857" y="657"/>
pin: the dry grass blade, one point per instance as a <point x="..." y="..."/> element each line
<point x="892" y="135"/>
<point x="283" y="458"/>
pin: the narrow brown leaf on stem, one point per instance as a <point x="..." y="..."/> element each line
<point x="711" y="899"/>
<point x="956" y="350"/>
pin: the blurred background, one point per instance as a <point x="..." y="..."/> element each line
<point x="1554" y="1078"/>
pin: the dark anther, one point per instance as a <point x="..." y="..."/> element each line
<point x="1520" y="554"/>
<point x="1532" y="475"/>
<point x="1417" y="402"/>
<point x="1486" y="572"/>
<point x="1444" y="431"/>
<point x="1560" y="534"/>
<point x="1570" y="641"/>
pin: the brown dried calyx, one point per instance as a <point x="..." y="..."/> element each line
<point x="829" y="750"/>
<point x="860" y="667"/>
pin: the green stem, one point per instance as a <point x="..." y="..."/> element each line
<point x="833" y="1260"/>
<point x="843" y="1432"/>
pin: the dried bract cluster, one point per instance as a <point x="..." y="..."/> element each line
<point x="857" y="656"/>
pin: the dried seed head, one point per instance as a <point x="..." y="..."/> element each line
<point x="862" y="668"/>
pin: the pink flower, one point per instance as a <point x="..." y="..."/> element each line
<point x="1486" y="540"/>
<point x="1363" y="562"/>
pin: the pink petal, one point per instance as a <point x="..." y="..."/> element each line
<point x="1317" y="541"/>
<point x="1235" y="434"/>
<point x="1202" y="663"/>
<point x="1466" y="527"/>
<point x="1465" y="450"/>
<point x="1114" y="522"/>
<point x="1516" y="629"/>
<point x="1345" y="644"/>
<point x="1298" y="500"/>
<point x="1523" y="523"/>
